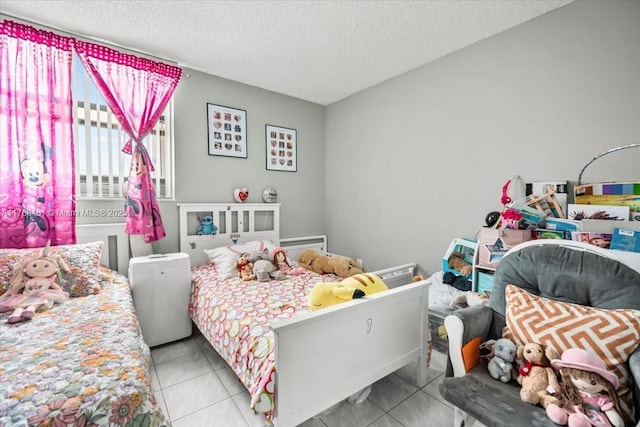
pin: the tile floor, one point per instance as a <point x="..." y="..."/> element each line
<point x="194" y="387"/>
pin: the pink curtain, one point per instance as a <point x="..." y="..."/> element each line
<point x="137" y="91"/>
<point x="37" y="175"/>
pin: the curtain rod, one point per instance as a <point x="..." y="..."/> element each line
<point x="86" y="38"/>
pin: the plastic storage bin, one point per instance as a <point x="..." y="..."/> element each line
<point x="485" y="282"/>
<point x="161" y="285"/>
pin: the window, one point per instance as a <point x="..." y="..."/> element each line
<point x="102" y="168"/>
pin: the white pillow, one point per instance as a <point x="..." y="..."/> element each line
<point x="224" y="258"/>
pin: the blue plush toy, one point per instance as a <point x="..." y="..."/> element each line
<point x="206" y="225"/>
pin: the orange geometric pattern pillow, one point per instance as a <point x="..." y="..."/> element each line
<point x="611" y="334"/>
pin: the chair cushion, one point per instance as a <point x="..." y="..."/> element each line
<point x="611" y="334"/>
<point x="569" y="275"/>
<point x="492" y="402"/>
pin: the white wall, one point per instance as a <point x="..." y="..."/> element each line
<point x="421" y="159"/>
<point x="204" y="178"/>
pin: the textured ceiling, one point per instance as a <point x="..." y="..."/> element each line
<point x="319" y="51"/>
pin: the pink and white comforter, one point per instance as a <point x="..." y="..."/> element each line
<point x="234" y="317"/>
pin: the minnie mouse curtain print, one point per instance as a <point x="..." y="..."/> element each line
<point x="137" y="91"/>
<point x="37" y="167"/>
<point x="141" y="207"/>
<point x="36" y="154"/>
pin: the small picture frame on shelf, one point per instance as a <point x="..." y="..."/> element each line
<point x="281" y="145"/>
<point x="227" y="128"/>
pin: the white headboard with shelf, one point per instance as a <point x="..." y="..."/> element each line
<point x="235" y="222"/>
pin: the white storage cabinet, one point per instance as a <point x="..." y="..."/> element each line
<point x="161" y="285"/>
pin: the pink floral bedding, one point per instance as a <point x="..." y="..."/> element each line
<point x="234" y="317"/>
<point x="81" y="363"/>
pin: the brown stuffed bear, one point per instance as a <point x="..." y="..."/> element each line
<point x="245" y="268"/>
<point x="536" y="376"/>
<point x="456" y="261"/>
<point x="338" y="265"/>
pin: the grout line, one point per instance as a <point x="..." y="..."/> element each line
<point x="240" y="410"/>
<point x="248" y="423"/>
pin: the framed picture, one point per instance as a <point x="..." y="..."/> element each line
<point x="227" y="131"/>
<point x="281" y="148"/>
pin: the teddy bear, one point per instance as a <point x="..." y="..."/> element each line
<point x="537" y="378"/>
<point x="338" y="265"/>
<point x="456" y="262"/>
<point x="501" y="363"/>
<point x="245" y="268"/>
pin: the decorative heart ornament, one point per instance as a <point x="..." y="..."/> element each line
<point x="240" y="194"/>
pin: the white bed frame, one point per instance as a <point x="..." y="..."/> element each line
<point x="323" y="357"/>
<point x="115" y="253"/>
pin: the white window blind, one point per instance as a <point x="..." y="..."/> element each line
<point x="102" y="168"/>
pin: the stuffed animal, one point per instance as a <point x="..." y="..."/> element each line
<point x="537" y="378"/>
<point x="338" y="265"/>
<point x="259" y="255"/>
<point x="326" y="294"/>
<point x="456" y="262"/>
<point x="245" y="268"/>
<point x="469" y="299"/>
<point x="282" y="264"/>
<point x="263" y="269"/>
<point x="368" y="283"/>
<point x="34" y="287"/>
<point x="501" y="363"/>
<point x="206" y="225"/>
<point x="587" y="393"/>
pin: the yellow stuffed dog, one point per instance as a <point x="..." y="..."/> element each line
<point x="338" y="265"/>
<point x="326" y="294"/>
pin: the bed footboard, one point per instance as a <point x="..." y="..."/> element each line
<point x="323" y="357"/>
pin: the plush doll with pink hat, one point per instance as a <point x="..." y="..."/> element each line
<point x="281" y="263"/>
<point x="587" y="393"/>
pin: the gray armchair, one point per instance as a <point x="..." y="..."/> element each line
<point x="558" y="270"/>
